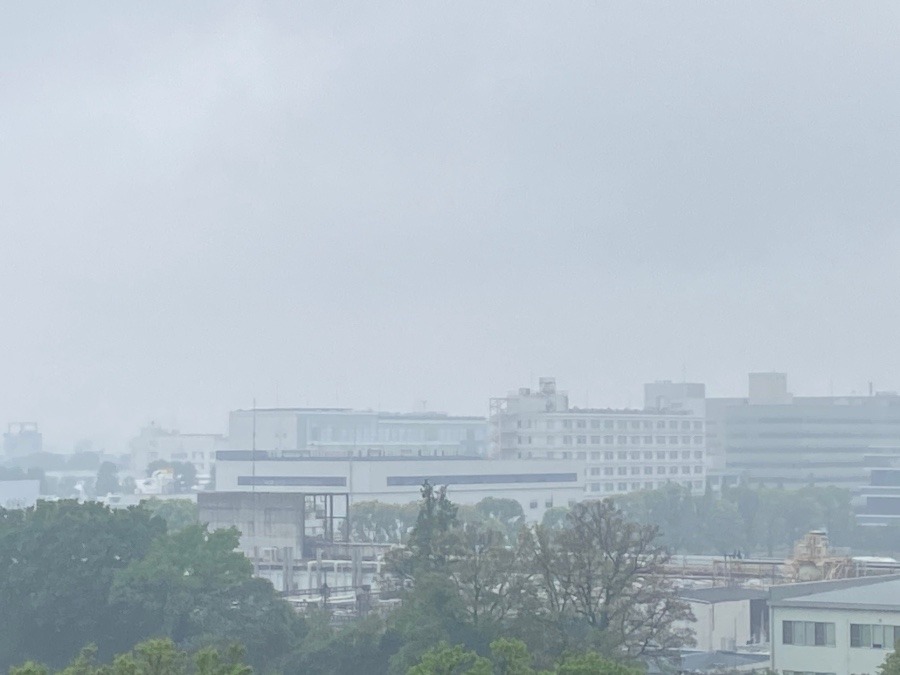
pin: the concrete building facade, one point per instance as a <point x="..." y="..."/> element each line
<point x="318" y="432"/>
<point x="537" y="485"/>
<point x="728" y="618"/>
<point x="615" y="451"/>
<point x="157" y="444"/>
<point x="844" y="627"/>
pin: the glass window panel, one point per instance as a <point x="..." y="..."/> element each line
<point x="787" y="632"/>
<point x="865" y="635"/>
<point x="854" y="635"/>
<point x="829" y="634"/>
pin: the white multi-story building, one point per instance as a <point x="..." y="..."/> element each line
<point x="616" y="451"/>
<point x="318" y="432"/>
<point x="157" y="444"/>
<point x="844" y="627"/>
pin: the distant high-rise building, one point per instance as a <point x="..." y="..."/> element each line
<point x="22" y="438"/>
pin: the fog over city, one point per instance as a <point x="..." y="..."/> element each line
<point x="413" y="206"/>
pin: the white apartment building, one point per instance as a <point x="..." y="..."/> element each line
<point x="615" y="451"/>
<point x="537" y="485"/>
<point x="157" y="444"/>
<point x="318" y="432"/>
<point x="844" y="627"/>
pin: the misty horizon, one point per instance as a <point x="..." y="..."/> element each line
<point x="374" y="207"/>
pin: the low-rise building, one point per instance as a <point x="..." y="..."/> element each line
<point x="842" y="627"/>
<point x="156" y="444"/>
<point x="322" y="432"/>
<point x="536" y="484"/>
<point x="728" y="618"/>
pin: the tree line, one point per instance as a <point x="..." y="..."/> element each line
<point x="139" y="590"/>
<point x="753" y="521"/>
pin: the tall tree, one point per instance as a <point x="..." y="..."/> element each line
<point x="604" y="572"/>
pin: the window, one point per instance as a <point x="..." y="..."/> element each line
<point x="595" y="424"/>
<point x="580" y="455"/>
<point x="607" y="440"/>
<point x="622" y="455"/>
<point x="685" y="440"/>
<point x="607" y="424"/>
<point x="532" y="504"/>
<point x="660" y="440"/>
<point x="685" y="454"/>
<point x="648" y="486"/>
<point x="608" y="471"/>
<point x="685" y="469"/>
<point x="698" y="440"/>
<point x="548" y="504"/>
<point x="698" y="469"/>
<point x="873" y="636"/>
<point x="673" y="455"/>
<point x="660" y="469"/>
<point x="595" y="487"/>
<point x="623" y="487"/>
<point x="807" y="633"/>
<point x="635" y="424"/>
<point x="673" y="440"/>
<point x="622" y="440"/>
<point x="595" y="440"/>
<point x="648" y="424"/>
<point x="698" y="426"/>
<point x="686" y="425"/>
<point x="608" y="487"/>
<point x="567" y="424"/>
<point x="635" y="486"/>
<point x="581" y="440"/>
<point x="648" y="470"/>
<point x="551" y="440"/>
<point x="581" y="424"/>
<point x="567" y="440"/>
<point x="635" y="440"/>
<point x="673" y="469"/>
<point x="608" y="456"/>
<point x="634" y="456"/>
<point x="661" y="424"/>
<point x="567" y="455"/>
<point x="595" y="456"/>
<point x="635" y="470"/>
<point x="622" y="470"/>
<point x="595" y="470"/>
<point x="648" y="440"/>
<point x="648" y="456"/>
<point x="698" y="454"/>
<point x="621" y="424"/>
<point x="660" y="455"/>
<point x="673" y="424"/>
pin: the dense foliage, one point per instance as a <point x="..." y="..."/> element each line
<point x="76" y="574"/>
<point x="763" y="521"/>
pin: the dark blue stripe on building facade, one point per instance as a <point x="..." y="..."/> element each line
<point x="481" y="479"/>
<point x="293" y="481"/>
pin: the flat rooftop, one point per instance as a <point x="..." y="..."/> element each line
<point x="867" y="593"/>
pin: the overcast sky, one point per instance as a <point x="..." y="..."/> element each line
<point x="378" y="206"/>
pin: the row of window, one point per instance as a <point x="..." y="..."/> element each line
<point x="684" y="425"/>
<point x="659" y="456"/>
<point x="821" y="634"/>
<point x="613" y="440"/>
<point x="637" y="470"/>
<point x="634" y="486"/>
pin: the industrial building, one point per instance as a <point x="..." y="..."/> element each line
<point x="156" y="444"/>
<point x="774" y="438"/>
<point x="839" y="627"/>
<point x="537" y="485"/>
<point x="616" y="451"/>
<point x="322" y="432"/>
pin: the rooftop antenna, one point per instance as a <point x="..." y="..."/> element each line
<point x="253" y="499"/>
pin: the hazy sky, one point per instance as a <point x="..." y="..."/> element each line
<point x="376" y="206"/>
